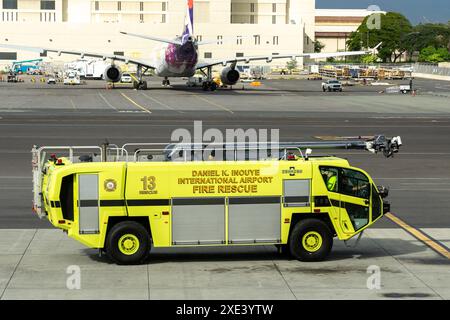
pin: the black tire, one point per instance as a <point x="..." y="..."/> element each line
<point x="117" y="233"/>
<point x="323" y="88"/>
<point x="329" y="89"/>
<point x="135" y="85"/>
<point x="310" y="228"/>
<point x="143" y="85"/>
<point x="205" y="86"/>
<point x="213" y="86"/>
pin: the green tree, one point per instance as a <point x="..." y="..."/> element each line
<point x="369" y="59"/>
<point x="318" y="46"/>
<point x="436" y="35"/>
<point x="431" y="54"/>
<point x="394" y="27"/>
<point x="291" y="64"/>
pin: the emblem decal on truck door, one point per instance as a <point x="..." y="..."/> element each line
<point x="110" y="185"/>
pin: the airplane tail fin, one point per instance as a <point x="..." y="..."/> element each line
<point x="188" y="31"/>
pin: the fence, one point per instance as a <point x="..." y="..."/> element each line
<point x="431" y="69"/>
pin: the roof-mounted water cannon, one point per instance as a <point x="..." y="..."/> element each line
<point x="382" y="144"/>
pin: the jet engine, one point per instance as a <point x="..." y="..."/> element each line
<point x="229" y="76"/>
<point x="112" y="73"/>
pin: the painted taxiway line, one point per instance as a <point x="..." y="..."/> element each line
<point x="135" y="103"/>
<point x="442" y="250"/>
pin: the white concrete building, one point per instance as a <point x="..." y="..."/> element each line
<point x="241" y="27"/>
<point x="334" y="26"/>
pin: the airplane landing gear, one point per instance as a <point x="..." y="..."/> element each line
<point x="209" y="85"/>
<point x="140" y="84"/>
<point x="166" y="82"/>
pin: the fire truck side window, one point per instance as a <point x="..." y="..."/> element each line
<point x="330" y="177"/>
<point x="354" y="183"/>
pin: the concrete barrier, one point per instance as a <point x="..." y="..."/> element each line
<point x="431" y="76"/>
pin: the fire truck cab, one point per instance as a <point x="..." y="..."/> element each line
<point x="124" y="206"/>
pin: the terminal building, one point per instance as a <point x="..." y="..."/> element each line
<point x="239" y="27"/>
<point x="334" y="26"/>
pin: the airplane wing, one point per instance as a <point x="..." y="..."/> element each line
<point x="269" y="58"/>
<point x="177" y="42"/>
<point x="81" y="53"/>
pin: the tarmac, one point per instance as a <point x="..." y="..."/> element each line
<point x="34" y="257"/>
<point x="39" y="264"/>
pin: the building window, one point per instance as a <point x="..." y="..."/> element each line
<point x="141" y="18"/>
<point x="119" y="6"/>
<point x="252" y="7"/>
<point x="252" y="19"/>
<point x="208" y="55"/>
<point x="164" y="6"/>
<point x="274" y="19"/>
<point x="199" y="38"/>
<point x="8" y="55"/>
<point x="239" y="40"/>
<point x="9" y="4"/>
<point x="219" y="39"/>
<point x="275" y="54"/>
<point x="47" y="4"/>
<point x="257" y="39"/>
<point x="96" y="6"/>
<point x="119" y="53"/>
<point x="239" y="54"/>
<point x="274" y="7"/>
<point x="275" y="40"/>
<point x="141" y="6"/>
<point x="163" y="18"/>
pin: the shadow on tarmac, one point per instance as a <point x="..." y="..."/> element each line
<point x="397" y="247"/>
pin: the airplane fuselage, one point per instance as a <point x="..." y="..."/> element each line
<point x="174" y="60"/>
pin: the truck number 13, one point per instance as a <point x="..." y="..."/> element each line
<point x="148" y="183"/>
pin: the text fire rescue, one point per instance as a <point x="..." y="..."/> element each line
<point x="225" y="181"/>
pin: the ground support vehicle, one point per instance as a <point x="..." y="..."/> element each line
<point x="332" y="85"/>
<point x="124" y="204"/>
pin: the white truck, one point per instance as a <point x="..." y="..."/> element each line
<point x="88" y="68"/>
<point x="72" y="77"/>
<point x="332" y="85"/>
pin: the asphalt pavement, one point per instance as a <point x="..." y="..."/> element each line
<point x="418" y="177"/>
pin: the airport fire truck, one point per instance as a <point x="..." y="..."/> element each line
<point x="125" y="200"/>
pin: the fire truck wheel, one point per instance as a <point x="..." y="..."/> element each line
<point x="311" y="240"/>
<point x="128" y="242"/>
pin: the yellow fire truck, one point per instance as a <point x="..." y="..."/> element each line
<point x="124" y="204"/>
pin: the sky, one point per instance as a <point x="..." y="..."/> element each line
<point x="417" y="11"/>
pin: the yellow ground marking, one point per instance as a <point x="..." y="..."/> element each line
<point x="213" y="103"/>
<point x="419" y="235"/>
<point x="135" y="103"/>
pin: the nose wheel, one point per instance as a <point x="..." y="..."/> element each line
<point x="166" y="82"/>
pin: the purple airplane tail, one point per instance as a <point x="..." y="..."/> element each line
<point x="188" y="31"/>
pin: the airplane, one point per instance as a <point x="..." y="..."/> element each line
<point x="179" y="57"/>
